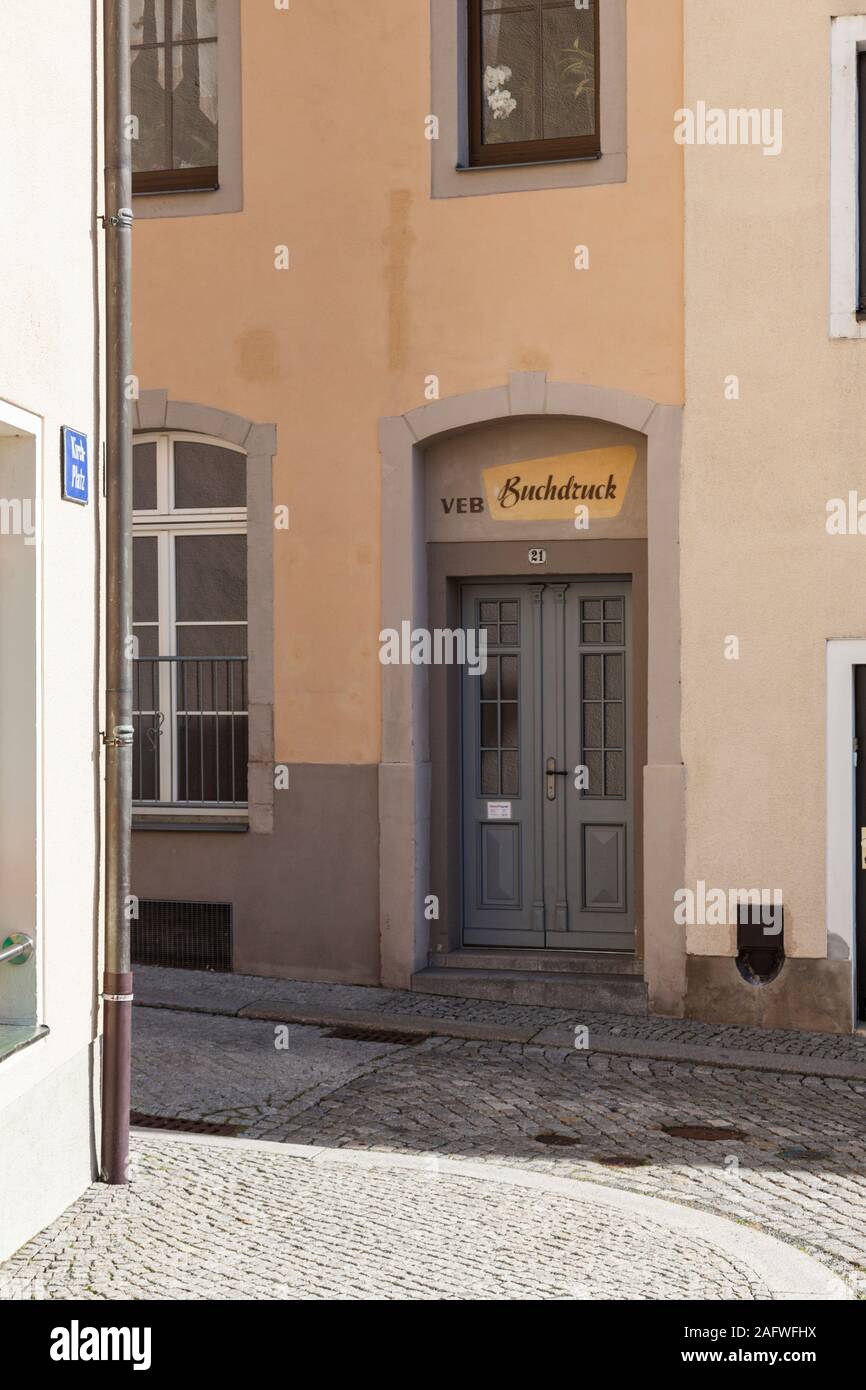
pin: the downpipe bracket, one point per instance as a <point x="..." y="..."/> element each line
<point x="124" y="217"/>
<point x="123" y="736"/>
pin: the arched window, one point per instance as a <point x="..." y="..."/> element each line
<point x="189" y="622"/>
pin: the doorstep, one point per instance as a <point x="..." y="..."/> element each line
<point x="550" y="962"/>
<point x="557" y="988"/>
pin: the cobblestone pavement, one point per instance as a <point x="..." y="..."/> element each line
<point x="799" y="1171"/>
<point x="206" y="1222"/>
<point x="230" y="993"/>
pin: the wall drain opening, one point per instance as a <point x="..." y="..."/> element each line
<point x="140" y="1120"/>
<point x="380" y="1035"/>
<point x="702" y="1132"/>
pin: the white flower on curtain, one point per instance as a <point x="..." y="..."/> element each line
<point x="499" y="99"/>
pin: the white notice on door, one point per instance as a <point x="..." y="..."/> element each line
<point x="499" y="810"/>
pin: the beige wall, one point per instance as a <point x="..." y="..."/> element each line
<point x="757" y="472"/>
<point x="50" y="242"/>
<point x="386" y="288"/>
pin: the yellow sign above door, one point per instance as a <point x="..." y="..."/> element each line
<point x="552" y="489"/>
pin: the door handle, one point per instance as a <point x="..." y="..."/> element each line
<point x="551" y="774"/>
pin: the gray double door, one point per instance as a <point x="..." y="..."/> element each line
<point x="547" y="767"/>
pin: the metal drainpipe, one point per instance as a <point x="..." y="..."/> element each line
<point x="117" y="978"/>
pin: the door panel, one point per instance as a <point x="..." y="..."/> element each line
<point x="599" y="818"/>
<point x="548" y="861"/>
<point x="502" y="890"/>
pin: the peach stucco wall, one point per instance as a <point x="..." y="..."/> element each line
<point x="386" y="287"/>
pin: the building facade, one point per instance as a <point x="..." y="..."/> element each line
<point x="50" y="523"/>
<point x="772" y="465"/>
<point x="414" y="350"/>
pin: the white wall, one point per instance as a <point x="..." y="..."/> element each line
<point x="48" y="355"/>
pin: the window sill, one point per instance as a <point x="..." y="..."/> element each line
<point x="529" y="163"/>
<point x="235" y="824"/>
<point x="15" y="1037"/>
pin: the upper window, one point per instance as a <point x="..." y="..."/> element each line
<point x="533" y="81"/>
<point x="174" y="95"/>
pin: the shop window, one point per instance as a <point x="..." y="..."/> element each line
<point x="533" y="81"/>
<point x="175" y="91"/>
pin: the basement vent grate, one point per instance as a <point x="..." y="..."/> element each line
<point x="139" y="1120"/>
<point x="183" y="935"/>
<point x="379" y="1035"/>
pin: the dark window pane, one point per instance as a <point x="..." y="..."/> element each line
<point x="592" y="726"/>
<point x="210" y="685"/>
<point x="593" y="764"/>
<point x="508" y="635"/>
<point x="613" y="633"/>
<point x="194" y="19"/>
<point x="211" y="578"/>
<point x="146" y="750"/>
<point x="613" y="725"/>
<point x="489" y="612"/>
<point x="614" y="774"/>
<point x="212" y="758"/>
<point x="205" y="639"/>
<point x="613" y="610"/>
<point x="489" y="726"/>
<point x="568" y="46"/>
<point x="488" y="679"/>
<point x="145" y="596"/>
<point x="194" y="105"/>
<point x="510" y="774"/>
<point x="509" y="677"/>
<point x="508" y="612"/>
<point x="148" y="641"/>
<point x="509" y="726"/>
<point x="591" y="610"/>
<point x="150" y="149"/>
<point x="144" y="477"/>
<point x="145" y="684"/>
<point x="206" y="476"/>
<point x="613" y="677"/>
<point x="592" y="677"/>
<point x="509" y="77"/>
<point x="147" y="21"/>
<point x="489" y="774"/>
<point x="592" y="633"/>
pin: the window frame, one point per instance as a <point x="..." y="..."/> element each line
<point x="847" y="160"/>
<point x="166" y="522"/>
<point x="203" y="178"/>
<point x="558" y="150"/>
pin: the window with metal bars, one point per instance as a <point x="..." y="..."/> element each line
<point x="189" y="623"/>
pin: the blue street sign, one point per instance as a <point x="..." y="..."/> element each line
<point x="76" y="466"/>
